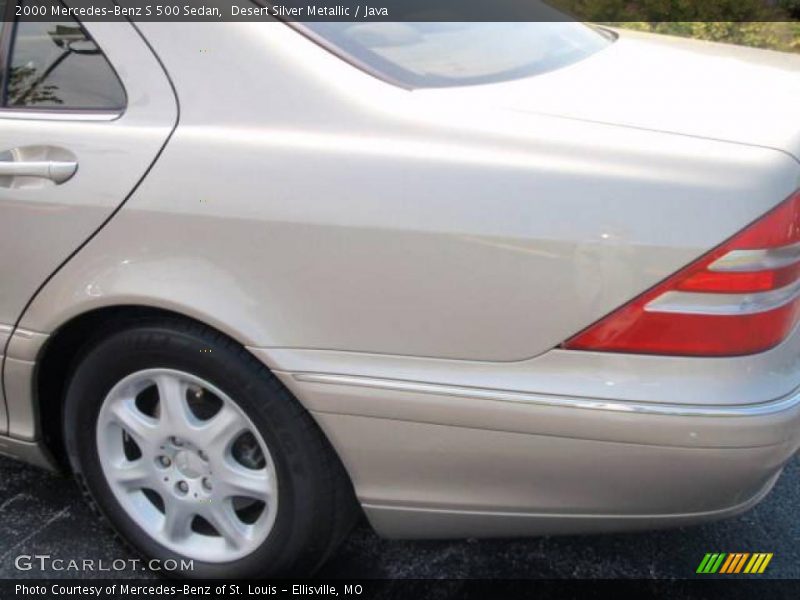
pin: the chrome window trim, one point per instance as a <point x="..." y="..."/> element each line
<point x="646" y="408"/>
<point x="63" y="115"/>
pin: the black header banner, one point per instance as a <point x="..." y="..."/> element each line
<point x="652" y="11"/>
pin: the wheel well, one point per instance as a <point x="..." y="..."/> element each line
<point x="62" y="351"/>
<point x="71" y="341"/>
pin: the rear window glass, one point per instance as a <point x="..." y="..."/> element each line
<point x="432" y="54"/>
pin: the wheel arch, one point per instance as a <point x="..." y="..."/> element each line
<point x="76" y="339"/>
<point x="63" y="349"/>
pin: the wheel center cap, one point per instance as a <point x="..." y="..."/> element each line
<point x="190" y="464"/>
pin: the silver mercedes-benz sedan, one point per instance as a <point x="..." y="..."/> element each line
<point x="469" y="279"/>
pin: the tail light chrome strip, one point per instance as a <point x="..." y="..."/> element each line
<point x="757" y="260"/>
<point x="698" y="303"/>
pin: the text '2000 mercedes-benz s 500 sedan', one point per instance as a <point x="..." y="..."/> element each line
<point x="468" y="279"/>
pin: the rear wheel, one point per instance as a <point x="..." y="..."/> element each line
<point x="195" y="452"/>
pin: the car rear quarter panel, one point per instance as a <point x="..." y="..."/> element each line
<point x="304" y="204"/>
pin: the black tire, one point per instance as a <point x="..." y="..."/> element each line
<point x="316" y="504"/>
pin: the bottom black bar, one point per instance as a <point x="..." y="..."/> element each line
<point x="404" y="589"/>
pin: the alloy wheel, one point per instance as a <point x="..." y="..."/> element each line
<point x="187" y="465"/>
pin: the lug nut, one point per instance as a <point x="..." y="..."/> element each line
<point x="202" y="455"/>
<point x="176" y="442"/>
<point x="183" y="487"/>
<point x="164" y="461"/>
<point x="207" y="484"/>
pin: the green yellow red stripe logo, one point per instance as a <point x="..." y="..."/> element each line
<point x="733" y="563"/>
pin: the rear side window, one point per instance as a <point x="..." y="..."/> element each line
<point x="430" y="54"/>
<point x="57" y="65"/>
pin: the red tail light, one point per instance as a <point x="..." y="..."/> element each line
<point x="741" y="298"/>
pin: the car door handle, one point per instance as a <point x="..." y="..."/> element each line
<point x="54" y="170"/>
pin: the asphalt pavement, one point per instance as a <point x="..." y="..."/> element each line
<point x="43" y="514"/>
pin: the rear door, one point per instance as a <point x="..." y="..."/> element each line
<point x="85" y="110"/>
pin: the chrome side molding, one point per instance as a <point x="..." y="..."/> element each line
<point x="650" y="408"/>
